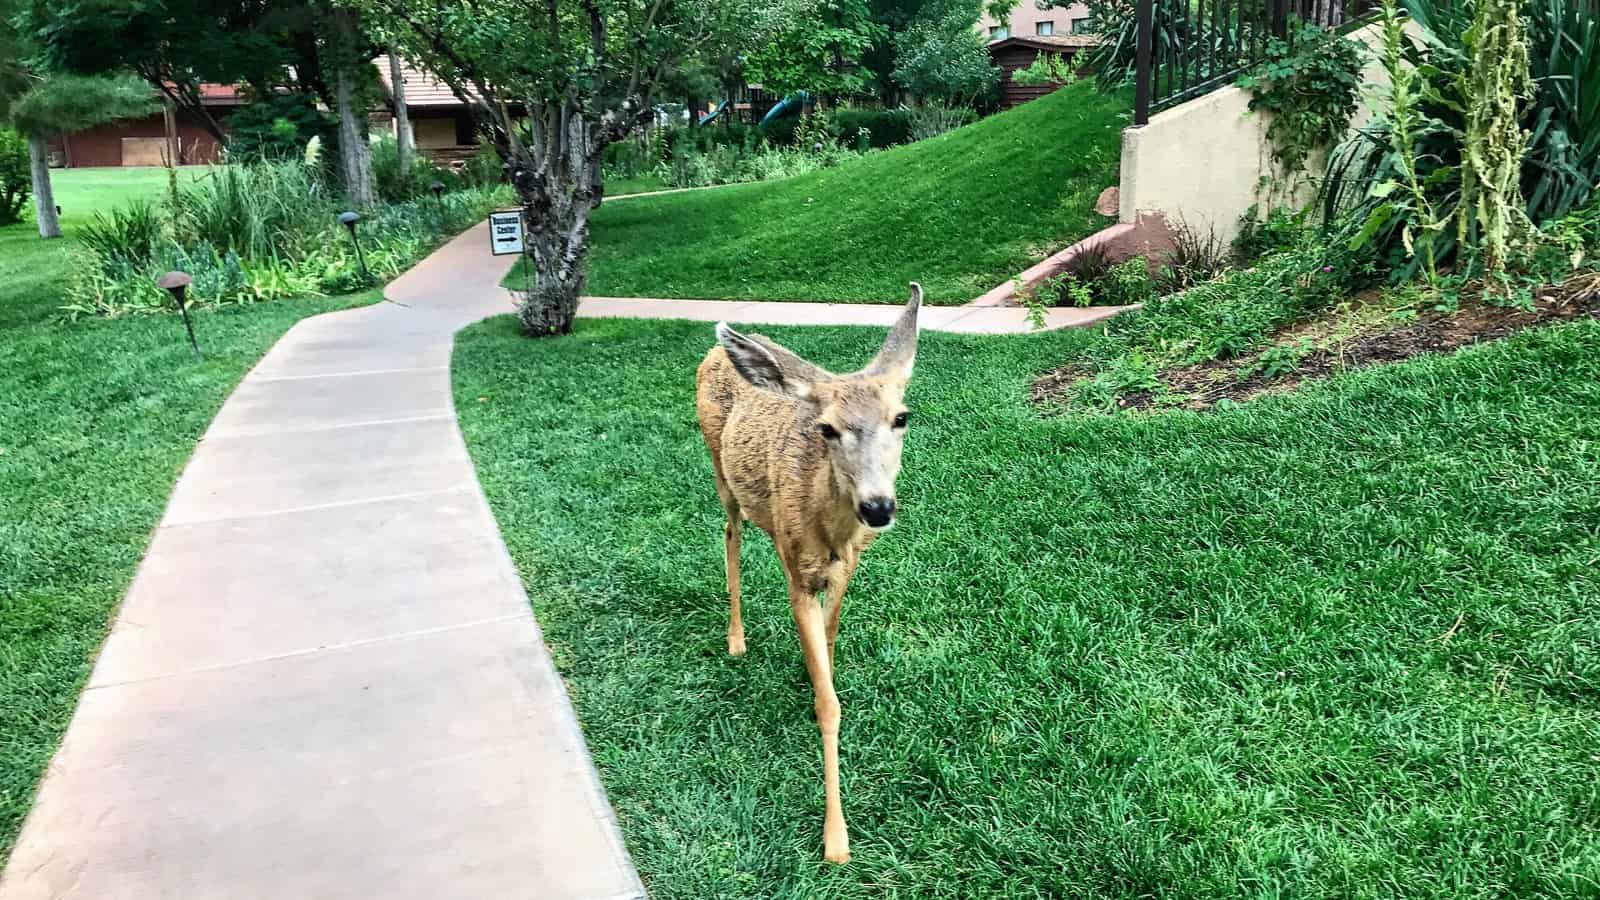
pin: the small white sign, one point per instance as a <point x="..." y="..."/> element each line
<point x="505" y="232"/>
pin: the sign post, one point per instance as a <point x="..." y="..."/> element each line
<point x="505" y="232"/>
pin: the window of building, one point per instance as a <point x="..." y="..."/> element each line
<point x="1083" y="26"/>
<point x="999" y="32"/>
<point x="1044" y="28"/>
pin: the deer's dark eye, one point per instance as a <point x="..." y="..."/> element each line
<point x="900" y="420"/>
<point x="828" y="431"/>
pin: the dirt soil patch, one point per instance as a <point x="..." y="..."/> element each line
<point x="1200" y="386"/>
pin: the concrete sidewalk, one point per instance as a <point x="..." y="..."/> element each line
<point x="959" y="319"/>
<point x="325" y="680"/>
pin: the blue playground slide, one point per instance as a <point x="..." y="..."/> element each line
<point x="793" y="103"/>
<point x="714" y="113"/>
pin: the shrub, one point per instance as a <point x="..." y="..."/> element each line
<point x="277" y="127"/>
<point x="394" y="185"/>
<point x="1280" y="230"/>
<point x="780" y="130"/>
<point x="1197" y="256"/>
<point x="932" y="119"/>
<point x="16" y="177"/>
<point x="260" y="232"/>
<point x="1309" y="83"/>
<point x="257" y="210"/>
<point x="124" y="239"/>
<point x="1046" y="68"/>
<point x="1371" y="176"/>
<point x="887" y="127"/>
<point x="1125" y="283"/>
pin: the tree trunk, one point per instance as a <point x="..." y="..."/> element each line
<point x="353" y="149"/>
<point x="402" y="116"/>
<point x="555" y="224"/>
<point x="44" y="199"/>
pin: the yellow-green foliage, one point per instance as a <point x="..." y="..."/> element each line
<point x="1494" y="143"/>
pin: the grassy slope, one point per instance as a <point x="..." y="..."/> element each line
<point x="960" y="213"/>
<point x="1180" y="656"/>
<point x="96" y="420"/>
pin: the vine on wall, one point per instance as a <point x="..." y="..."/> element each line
<point x="1310" y="85"/>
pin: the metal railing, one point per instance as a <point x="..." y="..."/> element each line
<point x="1187" y="48"/>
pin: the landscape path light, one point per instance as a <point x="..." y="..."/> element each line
<point x="176" y="284"/>
<point x="349" y="219"/>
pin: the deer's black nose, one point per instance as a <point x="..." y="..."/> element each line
<point x="877" y="512"/>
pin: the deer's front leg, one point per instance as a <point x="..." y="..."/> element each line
<point x="839" y="576"/>
<point x="808" y="620"/>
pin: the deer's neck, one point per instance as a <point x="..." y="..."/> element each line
<point x="836" y="511"/>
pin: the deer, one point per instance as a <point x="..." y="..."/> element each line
<point x="811" y="458"/>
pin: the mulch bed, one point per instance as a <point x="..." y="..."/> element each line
<point x="1201" y="386"/>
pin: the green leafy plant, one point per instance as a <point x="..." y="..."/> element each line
<point x="1280" y="229"/>
<point x="933" y="119"/>
<point x="1371" y="180"/>
<point x="1310" y="85"/>
<point x="1277" y="360"/>
<point x="1494" y="143"/>
<point x="1046" y="68"/>
<point x="16" y="181"/>
<point x="1125" y="283"/>
<point x="940" y="58"/>
<point x="1198" y="255"/>
<point x="1422" y="215"/>
<point x="124" y="239"/>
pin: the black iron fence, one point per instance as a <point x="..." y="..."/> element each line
<point x="1187" y="48"/>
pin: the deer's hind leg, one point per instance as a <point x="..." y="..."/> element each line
<point x="732" y="532"/>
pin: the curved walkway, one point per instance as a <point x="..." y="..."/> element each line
<point x="325" y="680"/>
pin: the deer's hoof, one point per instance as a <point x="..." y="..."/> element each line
<point x="735" y="645"/>
<point x="836" y="844"/>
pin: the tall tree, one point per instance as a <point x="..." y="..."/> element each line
<point x="941" y="57"/>
<point x="64" y="103"/>
<point x="821" y="53"/>
<point x="554" y="82"/>
<point x="404" y="140"/>
<point x="348" y="54"/>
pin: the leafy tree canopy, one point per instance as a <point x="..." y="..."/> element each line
<point x="821" y="54"/>
<point x="75" y="102"/>
<point x="941" y="56"/>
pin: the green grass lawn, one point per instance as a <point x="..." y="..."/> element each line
<point x="1343" y="642"/>
<point x="33" y="272"/>
<point x="961" y="213"/>
<point x="96" y="420"/>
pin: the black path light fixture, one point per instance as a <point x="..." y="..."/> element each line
<point x="438" y="198"/>
<point x="349" y="219"/>
<point x="176" y="284"/>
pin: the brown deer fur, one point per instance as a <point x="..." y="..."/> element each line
<point x="811" y="458"/>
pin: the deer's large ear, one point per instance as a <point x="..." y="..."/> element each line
<point x="769" y="366"/>
<point x="900" y="347"/>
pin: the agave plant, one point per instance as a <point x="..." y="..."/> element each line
<point x="1561" y="164"/>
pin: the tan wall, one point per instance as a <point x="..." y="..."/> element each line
<point x="1026" y="14"/>
<point x="434" y="133"/>
<point x="1203" y="161"/>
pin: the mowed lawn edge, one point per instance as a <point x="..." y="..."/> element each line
<point x="1181" y="655"/>
<point x="960" y="213"/>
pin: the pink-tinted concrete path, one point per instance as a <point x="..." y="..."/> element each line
<point x="325" y="680"/>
